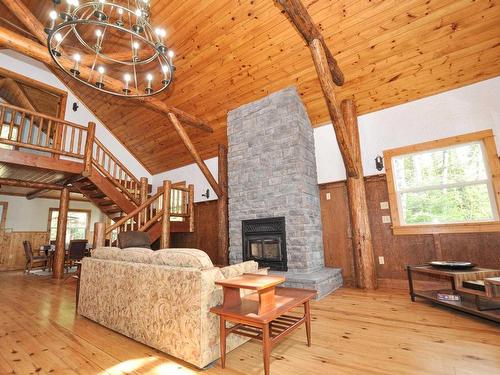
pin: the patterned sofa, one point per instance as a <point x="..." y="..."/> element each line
<point x="160" y="298"/>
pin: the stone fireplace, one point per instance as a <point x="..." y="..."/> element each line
<point x="274" y="212"/>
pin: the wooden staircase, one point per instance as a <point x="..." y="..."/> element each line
<point x="102" y="178"/>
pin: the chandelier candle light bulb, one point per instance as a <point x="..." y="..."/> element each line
<point x="98" y="34"/>
<point x="135" y="50"/>
<point x="165" y="80"/>
<point x="76" y="66"/>
<point x="127" y="78"/>
<point x="119" y="21"/>
<point x="149" y="89"/>
<point x="100" y="83"/>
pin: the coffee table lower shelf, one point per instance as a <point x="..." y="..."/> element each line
<point x="467" y="304"/>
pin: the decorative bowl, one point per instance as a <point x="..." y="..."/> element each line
<point x="452" y="264"/>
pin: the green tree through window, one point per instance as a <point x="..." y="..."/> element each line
<point x="446" y="185"/>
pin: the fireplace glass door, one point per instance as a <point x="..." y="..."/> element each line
<point x="265" y="248"/>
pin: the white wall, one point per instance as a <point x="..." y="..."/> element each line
<point x="25" y="215"/>
<point x="464" y="110"/>
<point x="34" y="69"/>
<point x="192" y="175"/>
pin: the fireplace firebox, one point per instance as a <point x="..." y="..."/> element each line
<point x="264" y="240"/>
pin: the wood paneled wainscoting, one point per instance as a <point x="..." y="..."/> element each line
<point x="204" y="236"/>
<point x="12" y="251"/>
<point x="400" y="250"/>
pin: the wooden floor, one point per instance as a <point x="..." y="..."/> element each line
<point x="354" y="332"/>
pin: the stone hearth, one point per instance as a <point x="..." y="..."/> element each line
<point x="272" y="173"/>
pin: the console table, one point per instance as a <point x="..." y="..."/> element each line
<point x="263" y="315"/>
<point x="476" y="302"/>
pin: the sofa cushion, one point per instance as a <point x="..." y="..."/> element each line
<point x="182" y="258"/>
<point x="239" y="269"/>
<point x="132" y="254"/>
<point x="133" y="239"/>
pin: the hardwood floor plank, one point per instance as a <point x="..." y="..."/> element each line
<point x="353" y="332"/>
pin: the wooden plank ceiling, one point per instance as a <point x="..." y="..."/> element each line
<point x="32" y="174"/>
<point x="233" y="52"/>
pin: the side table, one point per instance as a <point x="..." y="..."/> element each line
<point x="263" y="315"/>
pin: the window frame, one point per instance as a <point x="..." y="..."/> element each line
<point x="492" y="161"/>
<point x="54" y="209"/>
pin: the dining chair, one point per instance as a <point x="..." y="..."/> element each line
<point x="31" y="258"/>
<point x="76" y="252"/>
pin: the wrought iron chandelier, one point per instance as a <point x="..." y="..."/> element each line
<point x="111" y="46"/>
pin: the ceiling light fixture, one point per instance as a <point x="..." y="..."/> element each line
<point x="84" y="36"/>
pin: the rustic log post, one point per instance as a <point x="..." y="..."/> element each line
<point x="165" y="225"/>
<point x="299" y="16"/>
<point x="89" y="150"/>
<point x="62" y="220"/>
<point x="222" y="209"/>
<point x="192" y="150"/>
<point x="191" y="207"/>
<point x="325" y="79"/>
<point x="365" y="270"/>
<point x="99" y="235"/>
<point x="143" y="197"/>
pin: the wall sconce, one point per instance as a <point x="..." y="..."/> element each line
<point x="379" y="163"/>
<point x="75" y="106"/>
<point x="207" y="194"/>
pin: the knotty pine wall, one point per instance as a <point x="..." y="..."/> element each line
<point x="204" y="236"/>
<point x="12" y="251"/>
<point x="398" y="251"/>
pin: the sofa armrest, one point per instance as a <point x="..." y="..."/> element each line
<point x="239" y="269"/>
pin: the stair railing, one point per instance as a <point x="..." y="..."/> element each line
<point x="180" y="208"/>
<point x="115" y="171"/>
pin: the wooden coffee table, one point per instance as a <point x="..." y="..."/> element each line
<point x="263" y="315"/>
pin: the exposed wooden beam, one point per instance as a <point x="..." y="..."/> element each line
<point x="29" y="184"/>
<point x="320" y="62"/>
<point x="13" y="93"/>
<point x="22" y="12"/>
<point x="222" y="209"/>
<point x="364" y="262"/>
<point x="192" y="150"/>
<point x="300" y="18"/>
<point x="66" y="181"/>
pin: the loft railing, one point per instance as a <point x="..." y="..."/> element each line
<point x="21" y="128"/>
<point x="180" y="207"/>
<point x="24" y="129"/>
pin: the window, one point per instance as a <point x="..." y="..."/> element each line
<point x="444" y="186"/>
<point x="3" y="214"/>
<point x="77" y="227"/>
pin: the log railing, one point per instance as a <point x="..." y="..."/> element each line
<point x="27" y="129"/>
<point x="115" y="171"/>
<point x="151" y="212"/>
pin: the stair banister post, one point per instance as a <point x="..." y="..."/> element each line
<point x="165" y="227"/>
<point x="89" y="148"/>
<point x="99" y="235"/>
<point x="143" y="196"/>
<point x="191" y="207"/>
